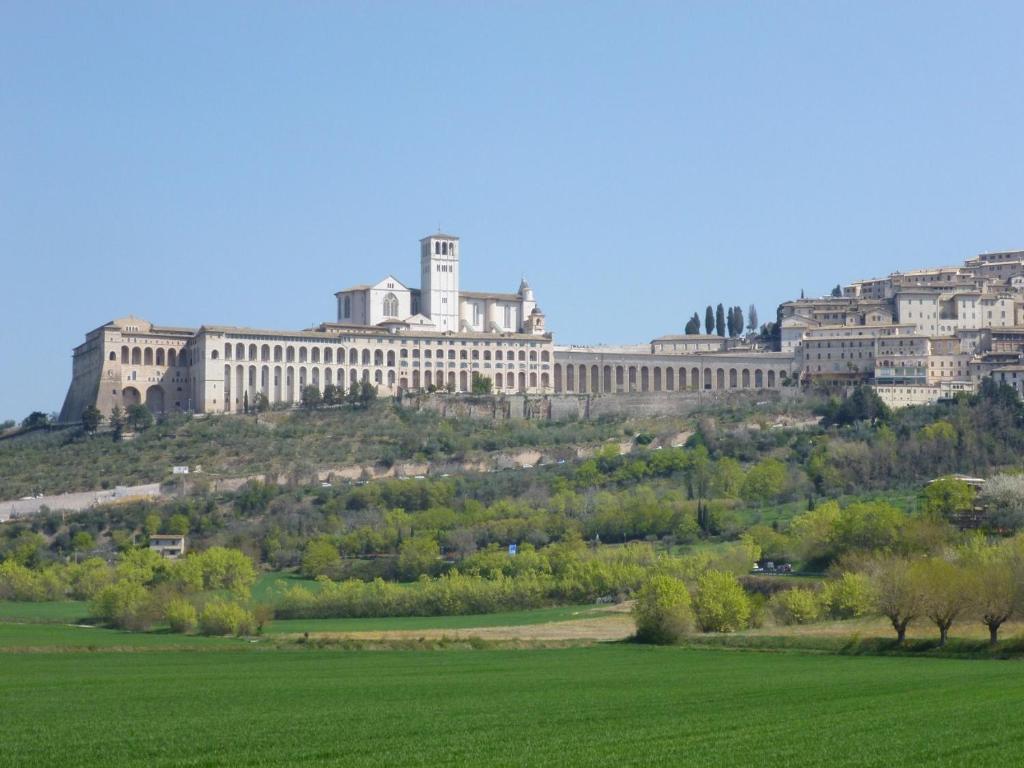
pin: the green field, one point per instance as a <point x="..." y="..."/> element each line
<point x="603" y="706"/>
<point x="63" y="611"/>
<point x="511" y="619"/>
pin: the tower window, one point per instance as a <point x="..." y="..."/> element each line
<point x="391" y="305"/>
<point x="437" y="248"/>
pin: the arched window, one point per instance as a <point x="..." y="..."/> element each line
<point x="113" y="356"/>
<point x="124" y="355"/>
<point x="172" y="358"/>
<point x="160" y="357"/>
<point x="214" y="354"/>
<point x="136" y="356"/>
<point x="391" y="305"/>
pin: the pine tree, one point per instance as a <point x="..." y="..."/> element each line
<point x="720" y="320"/>
<point x="709" y="320"/>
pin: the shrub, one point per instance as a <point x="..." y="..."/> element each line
<point x="662" y="610"/>
<point x="125" y="605"/>
<point x="796" y="606"/>
<point x="222" y="617"/>
<point x="848" y="597"/>
<point x="181" y="615"/>
<point x="721" y="604"/>
<point x="20" y="583"/>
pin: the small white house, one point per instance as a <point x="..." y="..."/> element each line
<point x="169" y="545"/>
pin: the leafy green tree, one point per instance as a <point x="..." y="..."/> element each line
<point x="848" y="597"/>
<point x="728" y="478"/>
<point x="367" y="393"/>
<point x="837" y="292"/>
<point x="481" y="385"/>
<point x="995" y="586"/>
<point x="662" y="610"/>
<point x="178" y="524"/>
<point x="752" y="319"/>
<point x="152" y="523"/>
<point x="720" y="320"/>
<point x="899" y="594"/>
<point x="139" y="417"/>
<point x="709" y="320"/>
<point x="35" y="420"/>
<point x="332" y="395"/>
<point x="721" y="604"/>
<point x="321" y="558"/>
<point x="311" y="396"/>
<point x="181" y="615"/>
<point x="863" y="404"/>
<point x="224" y="617"/>
<point x="944" y="596"/>
<point x="796" y="606"/>
<point x="117" y="422"/>
<point x="946" y="497"/>
<point x="765" y="481"/>
<point x="692" y="325"/>
<point x="418" y="555"/>
<point x="91" y="418"/>
<point x="125" y="605"/>
<point x="261" y="402"/>
<point x="82" y="541"/>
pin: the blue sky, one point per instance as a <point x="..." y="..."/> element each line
<point x="239" y="162"/>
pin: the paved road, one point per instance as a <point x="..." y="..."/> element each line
<point x="74" y="502"/>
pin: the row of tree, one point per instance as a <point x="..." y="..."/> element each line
<point x="723" y="321"/>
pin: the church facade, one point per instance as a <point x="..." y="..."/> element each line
<point x="397" y="338"/>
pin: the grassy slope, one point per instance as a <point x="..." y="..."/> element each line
<point x="604" y="706"/>
<point x="282" y="443"/>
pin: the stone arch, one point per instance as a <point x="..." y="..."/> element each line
<point x="645" y="379"/>
<point x="533" y="380"/>
<point x="708" y="382"/>
<point x="416" y="379"/>
<point x="314" y="355"/>
<point x="155" y="398"/>
<point x="227" y="388"/>
<point x="570" y="378"/>
<point x="130" y="396"/>
<point x="391" y="378"/>
<point x="252" y="352"/>
<point x="545" y="356"/>
<point x="161" y="358"/>
<point x="544" y="380"/>
<point x="240" y="351"/>
<point x="227" y="351"/>
<point x="112" y="357"/>
<point x="289" y="354"/>
<point x="632" y="378"/>
<point x="758" y="378"/>
<point x="391" y="357"/>
<point x="620" y="378"/>
<point x="695" y="378"/>
<point x="302" y="380"/>
<point x="289" y="384"/>
<point x="657" y="379"/>
<point x="172" y="358"/>
<point x="670" y="379"/>
<point x="340" y="381"/>
<point x="607" y="376"/>
<point x="522" y="381"/>
<point x="463" y="381"/>
<point x="353" y="357"/>
<point x="595" y="379"/>
<point x="581" y="379"/>
<point x="328" y="356"/>
<point x="315" y="377"/>
<point x="378" y="357"/>
<point x="558" y="377"/>
<point x="277" y="384"/>
<point x="720" y="378"/>
<point x="278" y="353"/>
<point x="451" y="380"/>
<point x="125" y="355"/>
<point x="136" y="356"/>
<point x="328" y="377"/>
<point x="733" y="382"/>
<point x="303" y="355"/>
<point x="745" y="379"/>
<point x="147" y="356"/>
<point x="771" y="379"/>
<point x="378" y="377"/>
<point x="366" y="357"/>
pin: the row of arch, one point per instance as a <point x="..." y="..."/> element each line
<point x="329" y="356"/>
<point x="284" y="384"/>
<point x="633" y="378"/>
<point x="147" y="356"/>
<point x="155" y="398"/>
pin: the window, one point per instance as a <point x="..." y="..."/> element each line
<point x="391" y="305"/>
<point x="348" y="306"/>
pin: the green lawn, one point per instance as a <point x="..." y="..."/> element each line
<point x="511" y="619"/>
<point x="62" y="612"/>
<point x="601" y="706"/>
<point x="68" y="637"/>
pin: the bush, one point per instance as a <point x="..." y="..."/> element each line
<point x="848" y="597"/>
<point x="721" y="604"/>
<point x="795" y="606"/>
<point x="181" y="615"/>
<point x="20" y="583"/>
<point x="222" y="617"/>
<point x="662" y="610"/>
<point x="125" y="605"/>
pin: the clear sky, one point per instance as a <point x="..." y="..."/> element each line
<point x="239" y="162"/>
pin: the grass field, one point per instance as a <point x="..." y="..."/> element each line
<point x="601" y="706"/>
<point x="62" y="612"/>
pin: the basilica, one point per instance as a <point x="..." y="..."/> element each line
<point x="400" y="339"/>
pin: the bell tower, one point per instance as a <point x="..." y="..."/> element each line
<point x="439" y="280"/>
